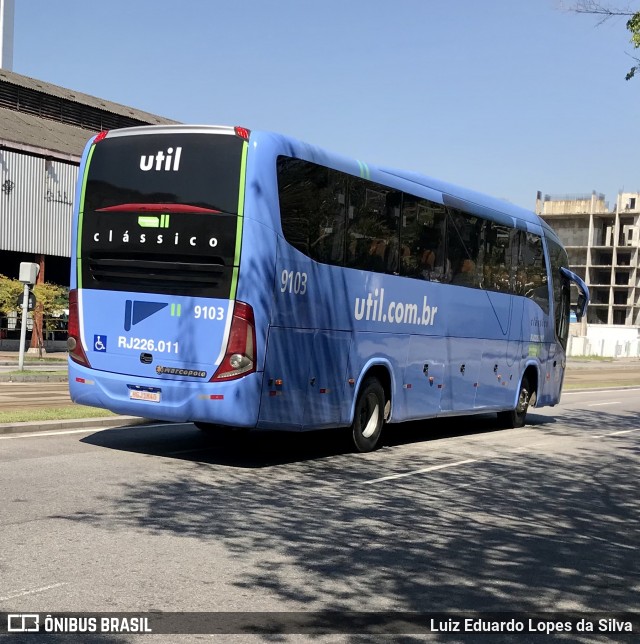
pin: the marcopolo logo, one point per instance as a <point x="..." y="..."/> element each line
<point x="174" y="371"/>
<point x="161" y="161"/>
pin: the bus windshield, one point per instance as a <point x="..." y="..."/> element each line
<point x="160" y="211"/>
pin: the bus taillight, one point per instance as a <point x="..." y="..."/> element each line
<point x="74" y="343"/>
<point x="239" y="359"/>
<point x="242" y="132"/>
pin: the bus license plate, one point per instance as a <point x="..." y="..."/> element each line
<point x="148" y="396"/>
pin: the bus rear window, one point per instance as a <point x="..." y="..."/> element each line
<point x="197" y="169"/>
<point x="160" y="212"/>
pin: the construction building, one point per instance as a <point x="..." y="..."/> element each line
<point x="603" y="244"/>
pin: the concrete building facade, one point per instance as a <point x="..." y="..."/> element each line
<point x="603" y="244"/>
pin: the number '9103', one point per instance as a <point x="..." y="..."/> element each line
<point x="293" y="282"/>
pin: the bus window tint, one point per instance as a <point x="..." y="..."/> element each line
<point x="531" y="273"/>
<point x="372" y="227"/>
<point x="422" y="249"/>
<point x="312" y="209"/>
<point x="561" y="293"/>
<point x="495" y="257"/>
<point x="463" y="247"/>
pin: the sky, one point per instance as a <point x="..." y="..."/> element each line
<point x="506" y="97"/>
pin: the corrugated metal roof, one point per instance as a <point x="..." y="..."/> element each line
<point x="22" y="130"/>
<point x="79" y="97"/>
<point x="41" y="136"/>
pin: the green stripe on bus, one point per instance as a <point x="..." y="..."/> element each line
<point x="80" y="218"/>
<point x="365" y="173"/>
<point x="240" y="223"/>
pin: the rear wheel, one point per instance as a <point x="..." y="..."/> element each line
<point x="516" y="417"/>
<point x="369" y="416"/>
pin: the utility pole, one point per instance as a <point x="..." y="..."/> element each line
<point x="7" y="13"/>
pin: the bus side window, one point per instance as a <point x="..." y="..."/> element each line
<point x="312" y="209"/>
<point x="463" y="241"/>
<point x="422" y="241"/>
<point x="372" y="227"/>
<point x="532" y="280"/>
<point x="561" y="291"/>
<point x="496" y="257"/>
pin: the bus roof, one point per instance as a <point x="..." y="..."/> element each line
<point x="451" y="194"/>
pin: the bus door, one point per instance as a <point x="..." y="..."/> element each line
<point x="461" y="376"/>
<point x="424" y="376"/>
<point x="500" y="352"/>
<point x="326" y="378"/>
<point x="284" y="387"/>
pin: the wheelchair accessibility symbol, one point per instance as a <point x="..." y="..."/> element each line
<point x="100" y="343"/>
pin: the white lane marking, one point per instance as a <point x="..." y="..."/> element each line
<point x="22" y="593"/>
<point x="433" y="468"/>
<point x="86" y="430"/>
<point x="588" y="392"/>
<point x="624" y="431"/>
<point x="616" y="402"/>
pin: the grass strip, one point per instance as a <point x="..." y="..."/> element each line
<point x="605" y="383"/>
<point x="67" y="412"/>
<point x="34" y="372"/>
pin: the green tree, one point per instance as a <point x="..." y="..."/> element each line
<point x="605" y="12"/>
<point x="633" y="25"/>
<point x="10" y="291"/>
<point x="53" y="299"/>
<point x="50" y="298"/>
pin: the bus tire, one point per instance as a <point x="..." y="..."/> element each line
<point x="516" y="417"/>
<point x="368" y="416"/>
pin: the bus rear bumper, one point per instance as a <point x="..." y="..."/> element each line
<point x="235" y="403"/>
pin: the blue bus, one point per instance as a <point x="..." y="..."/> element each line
<point x="244" y="279"/>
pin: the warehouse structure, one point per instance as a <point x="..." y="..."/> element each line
<point x="43" y="131"/>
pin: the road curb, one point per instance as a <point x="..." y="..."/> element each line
<point x="26" y="377"/>
<point x="71" y="423"/>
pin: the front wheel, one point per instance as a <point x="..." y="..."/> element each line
<point x="516" y="417"/>
<point x="369" y="416"/>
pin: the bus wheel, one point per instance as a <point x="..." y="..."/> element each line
<point x="369" y="416"/>
<point x="516" y="417"/>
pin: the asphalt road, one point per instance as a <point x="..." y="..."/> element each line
<point x="450" y="515"/>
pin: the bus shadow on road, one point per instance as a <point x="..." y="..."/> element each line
<point x="258" y="448"/>
<point x="556" y="524"/>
